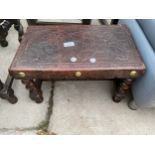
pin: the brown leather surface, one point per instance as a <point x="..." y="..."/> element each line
<point x="42" y="53"/>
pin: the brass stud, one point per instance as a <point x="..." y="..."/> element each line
<point x="21" y="74"/>
<point x="78" y="74"/>
<point x="133" y="73"/>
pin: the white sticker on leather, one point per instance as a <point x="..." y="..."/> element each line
<point x="69" y="44"/>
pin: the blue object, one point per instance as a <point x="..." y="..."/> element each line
<point x="143" y="33"/>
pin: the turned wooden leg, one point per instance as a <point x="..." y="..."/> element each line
<point x="7" y="92"/>
<point x="114" y="21"/>
<point x="4" y="27"/>
<point x="3" y="35"/>
<point x="1" y="85"/>
<point x="34" y="87"/>
<point x="32" y="21"/>
<point x="122" y="88"/>
<point x="86" y="21"/>
<point x="18" y="26"/>
<point x="103" y="22"/>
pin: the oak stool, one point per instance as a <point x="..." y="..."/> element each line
<point x="77" y="52"/>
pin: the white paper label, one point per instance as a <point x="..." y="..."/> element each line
<point x="69" y="44"/>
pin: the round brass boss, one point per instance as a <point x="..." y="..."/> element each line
<point x="78" y="74"/>
<point x="133" y="74"/>
<point x="21" y="74"/>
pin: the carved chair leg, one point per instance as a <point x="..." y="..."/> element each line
<point x="103" y="22"/>
<point x="7" y="92"/>
<point x="4" y="28"/>
<point x="114" y="21"/>
<point x="1" y="85"/>
<point x="122" y="88"/>
<point x="18" y="26"/>
<point x="31" y="21"/>
<point x="3" y="35"/>
<point x="34" y="87"/>
<point x="86" y="21"/>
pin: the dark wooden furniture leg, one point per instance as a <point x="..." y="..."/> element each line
<point x="114" y="21"/>
<point x="34" y="87"/>
<point x="7" y="91"/>
<point x="86" y="21"/>
<point x="18" y="26"/>
<point x="4" y="28"/>
<point x="103" y="22"/>
<point x="1" y="85"/>
<point x="122" y="88"/>
<point x="31" y="21"/>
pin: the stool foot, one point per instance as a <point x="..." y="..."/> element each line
<point x="4" y="43"/>
<point x="34" y="87"/>
<point x="116" y="98"/>
<point x="122" y="89"/>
